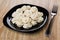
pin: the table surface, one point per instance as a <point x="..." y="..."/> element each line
<point x="8" y="34"/>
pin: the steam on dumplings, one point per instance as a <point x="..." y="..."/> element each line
<point x="27" y="16"/>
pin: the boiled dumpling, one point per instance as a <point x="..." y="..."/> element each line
<point x="14" y="14"/>
<point x="33" y="22"/>
<point x="40" y="19"/>
<point x="19" y="10"/>
<point x="34" y="9"/>
<point x="27" y="13"/>
<point x="27" y="26"/>
<point x="13" y="20"/>
<point x="19" y="23"/>
<point x="28" y="7"/>
<point x="24" y="8"/>
<point x="26" y="20"/>
<point x="34" y="16"/>
<point x="40" y="13"/>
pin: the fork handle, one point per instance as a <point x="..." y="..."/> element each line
<point x="48" y="31"/>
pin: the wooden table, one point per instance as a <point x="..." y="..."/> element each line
<point x="8" y="34"/>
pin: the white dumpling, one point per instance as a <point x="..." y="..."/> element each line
<point x="33" y="22"/>
<point x="17" y="14"/>
<point x="34" y="9"/>
<point x="13" y="20"/>
<point x="19" y="10"/>
<point x="24" y="8"/>
<point x="16" y="19"/>
<point x="34" y="16"/>
<point x="19" y="23"/>
<point x="40" y="14"/>
<point x="26" y="20"/>
<point x="27" y="26"/>
<point x="20" y="14"/>
<point x="40" y="19"/>
<point x="28" y="7"/>
<point x="14" y="14"/>
<point x="27" y="13"/>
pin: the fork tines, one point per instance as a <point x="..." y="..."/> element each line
<point x="54" y="9"/>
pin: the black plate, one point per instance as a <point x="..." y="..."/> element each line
<point x="7" y="18"/>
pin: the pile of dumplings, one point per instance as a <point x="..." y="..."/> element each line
<point x="27" y="16"/>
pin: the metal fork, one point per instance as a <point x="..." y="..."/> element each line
<point x="53" y="14"/>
